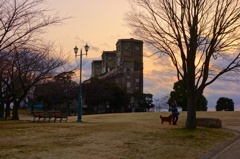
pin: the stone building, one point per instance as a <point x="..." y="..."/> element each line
<point x="123" y="66"/>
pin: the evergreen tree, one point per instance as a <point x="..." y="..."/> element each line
<point x="224" y="103"/>
<point x="179" y="94"/>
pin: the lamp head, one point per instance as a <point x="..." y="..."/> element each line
<point x="75" y="50"/>
<point x="86" y="48"/>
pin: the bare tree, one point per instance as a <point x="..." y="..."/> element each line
<point x="164" y="102"/>
<point x="200" y="37"/>
<point x="23" y="69"/>
<point x="22" y="25"/>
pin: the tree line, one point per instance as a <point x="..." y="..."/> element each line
<point x="179" y="94"/>
<point x="99" y="96"/>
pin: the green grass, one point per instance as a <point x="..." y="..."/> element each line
<point x="111" y="136"/>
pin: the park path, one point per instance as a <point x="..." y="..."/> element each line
<point x="228" y="150"/>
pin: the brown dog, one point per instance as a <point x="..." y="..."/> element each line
<point x="167" y="119"/>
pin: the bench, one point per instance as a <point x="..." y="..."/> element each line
<point x="55" y="115"/>
<point x="39" y="115"/>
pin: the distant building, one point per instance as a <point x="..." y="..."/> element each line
<point x="123" y="66"/>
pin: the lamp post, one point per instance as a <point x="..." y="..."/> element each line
<point x="80" y="82"/>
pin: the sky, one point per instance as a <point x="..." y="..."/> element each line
<point x="99" y="23"/>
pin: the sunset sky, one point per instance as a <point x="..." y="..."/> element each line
<point x="100" y="24"/>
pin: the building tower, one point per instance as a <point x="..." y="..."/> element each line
<point x="124" y="66"/>
<point x="129" y="58"/>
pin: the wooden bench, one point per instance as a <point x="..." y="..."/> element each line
<point x="57" y="114"/>
<point x="39" y="115"/>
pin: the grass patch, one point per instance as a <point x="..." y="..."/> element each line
<point x="109" y="136"/>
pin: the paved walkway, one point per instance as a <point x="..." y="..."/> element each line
<point x="228" y="150"/>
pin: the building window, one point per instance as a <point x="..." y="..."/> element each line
<point x="118" y="61"/>
<point x="128" y="84"/>
<point x="137" y="86"/>
<point x="128" y="70"/>
<point x="137" y="79"/>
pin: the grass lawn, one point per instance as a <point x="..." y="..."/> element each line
<point x="111" y="136"/>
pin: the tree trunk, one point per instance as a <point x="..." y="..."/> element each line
<point x="32" y="108"/>
<point x="191" y="92"/>
<point x="1" y="103"/>
<point x="15" y="115"/>
<point x="1" y="109"/>
<point x="191" y="115"/>
<point x="191" y="112"/>
<point x="7" y="111"/>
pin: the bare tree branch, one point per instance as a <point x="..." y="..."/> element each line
<point x="22" y="23"/>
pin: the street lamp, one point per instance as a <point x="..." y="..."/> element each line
<point x="80" y="82"/>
